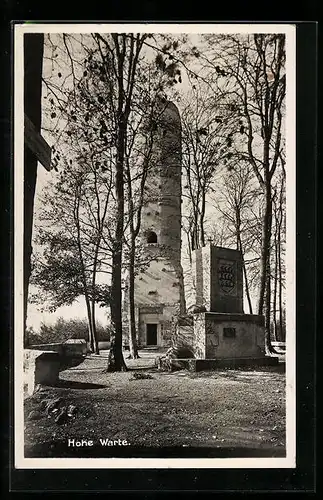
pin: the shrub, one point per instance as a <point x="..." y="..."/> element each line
<point x="63" y="329"/>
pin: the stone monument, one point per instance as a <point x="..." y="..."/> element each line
<point x="217" y="276"/>
<point x="222" y="334"/>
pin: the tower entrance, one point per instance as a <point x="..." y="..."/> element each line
<point x="151" y="333"/>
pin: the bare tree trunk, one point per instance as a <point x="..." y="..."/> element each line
<point x="244" y="270"/>
<point x="280" y="299"/>
<point x="118" y="363"/>
<point x="93" y="321"/>
<point x="268" y="345"/>
<point x="195" y="235"/>
<point x="263" y="268"/>
<point x="134" y="231"/>
<point x="201" y="222"/>
<point x="240" y="248"/>
<point x="116" y="287"/>
<point x="275" y="283"/>
<point x="132" y="316"/>
<point x="265" y="247"/>
<point x="76" y="215"/>
<point x="125" y="89"/>
<point x="189" y="246"/>
<point x="94" y="333"/>
<point x="201" y="234"/>
<point x="264" y="294"/>
<point x="89" y="319"/>
<point x="246" y="285"/>
<point x="280" y="285"/>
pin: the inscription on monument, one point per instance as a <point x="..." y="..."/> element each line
<point x="227" y="276"/>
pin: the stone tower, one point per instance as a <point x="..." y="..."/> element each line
<point x="159" y="288"/>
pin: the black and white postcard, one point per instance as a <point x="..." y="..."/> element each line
<point x="155" y="246"/>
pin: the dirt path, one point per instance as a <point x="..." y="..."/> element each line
<point x="215" y="411"/>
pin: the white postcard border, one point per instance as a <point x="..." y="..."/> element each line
<point x="289" y="461"/>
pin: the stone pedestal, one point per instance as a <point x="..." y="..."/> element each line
<point x="197" y="365"/>
<point x="184" y="331"/>
<point x="223" y="335"/>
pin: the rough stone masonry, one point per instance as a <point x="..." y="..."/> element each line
<point x="223" y="330"/>
<point x="159" y="289"/>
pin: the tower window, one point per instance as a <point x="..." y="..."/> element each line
<point x="151" y="237"/>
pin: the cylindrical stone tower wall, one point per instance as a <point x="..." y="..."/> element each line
<point x="159" y="289"/>
<point x="162" y="202"/>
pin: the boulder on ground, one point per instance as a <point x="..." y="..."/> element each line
<point x="35" y="415"/>
<point x="140" y="376"/>
<point x="53" y="404"/>
<point x="71" y="410"/>
<point x="171" y="360"/>
<point x="61" y="417"/>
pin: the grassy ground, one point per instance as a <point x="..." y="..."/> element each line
<point x="215" y="413"/>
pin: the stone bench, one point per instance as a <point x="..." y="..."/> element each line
<point x="40" y="368"/>
<point x="74" y="347"/>
<point x="70" y="348"/>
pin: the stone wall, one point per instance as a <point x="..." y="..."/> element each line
<point x="72" y="347"/>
